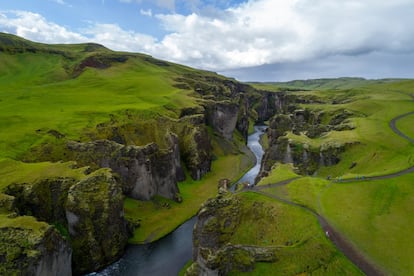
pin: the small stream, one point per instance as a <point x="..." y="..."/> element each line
<point x="168" y="255"/>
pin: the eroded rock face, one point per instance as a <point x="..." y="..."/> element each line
<point x="40" y="251"/>
<point x="144" y="171"/>
<point x="196" y="150"/>
<point x="44" y="199"/>
<point x="222" y="117"/>
<point x="94" y="211"/>
<point x="270" y="103"/>
<point x="212" y="253"/>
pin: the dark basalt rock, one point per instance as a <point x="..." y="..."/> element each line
<point x="41" y="251"/>
<point x="97" y="229"/>
<point x="217" y="221"/>
<point x="144" y="171"/>
<point x="45" y="199"/>
<point x="222" y="117"/>
<point x="196" y="150"/>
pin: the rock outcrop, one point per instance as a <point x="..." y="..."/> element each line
<point x="195" y="146"/>
<point x="97" y="229"/>
<point x="313" y="124"/>
<point x="45" y="199"/>
<point x="28" y="247"/>
<point x="213" y="254"/>
<point x="144" y="171"/>
<point x="222" y="117"/>
<point x="89" y="212"/>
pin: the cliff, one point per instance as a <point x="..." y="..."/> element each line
<point x="213" y="252"/>
<point x="29" y="247"/>
<point x="306" y="157"/>
<point x="88" y="212"/>
<point x="97" y="229"/>
<point x="144" y="171"/>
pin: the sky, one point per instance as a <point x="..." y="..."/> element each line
<point x="250" y="40"/>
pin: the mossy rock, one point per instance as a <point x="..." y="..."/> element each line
<point x="97" y="228"/>
<point x="29" y="247"/>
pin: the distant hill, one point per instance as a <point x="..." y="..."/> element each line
<point x="319" y="84"/>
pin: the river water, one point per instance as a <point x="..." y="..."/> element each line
<point x="168" y="255"/>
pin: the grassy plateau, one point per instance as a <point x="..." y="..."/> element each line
<point x="373" y="215"/>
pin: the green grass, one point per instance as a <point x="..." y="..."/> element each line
<point x="406" y="125"/>
<point x="373" y="215"/>
<point x="72" y="105"/>
<point x="36" y="228"/>
<point x="157" y="220"/>
<point x="278" y="173"/>
<point x="303" y="247"/>
<point x="376" y="149"/>
<point x="18" y="172"/>
<point x="376" y="217"/>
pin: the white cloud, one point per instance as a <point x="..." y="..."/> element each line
<point x="114" y="37"/>
<point x="269" y="31"/>
<point x="35" y="27"/>
<point x="146" y="12"/>
<point x="253" y="33"/>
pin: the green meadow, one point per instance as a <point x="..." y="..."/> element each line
<point x="302" y="245"/>
<point x="374" y="216"/>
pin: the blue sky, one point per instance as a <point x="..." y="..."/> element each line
<point x="259" y="40"/>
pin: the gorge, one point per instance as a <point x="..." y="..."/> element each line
<point x="100" y="149"/>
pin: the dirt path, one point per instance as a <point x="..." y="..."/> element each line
<point x="336" y="237"/>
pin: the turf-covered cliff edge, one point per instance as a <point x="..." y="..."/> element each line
<point x="102" y="146"/>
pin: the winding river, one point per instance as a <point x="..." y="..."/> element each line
<point x="168" y="255"/>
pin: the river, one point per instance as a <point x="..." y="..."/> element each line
<point x="168" y="255"/>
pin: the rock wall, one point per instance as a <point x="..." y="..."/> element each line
<point x="89" y="211"/>
<point x="195" y="146"/>
<point x="217" y="221"/>
<point x="266" y="104"/>
<point x="40" y="251"/>
<point x="97" y="229"/>
<point x="144" y="171"/>
<point x="45" y="199"/>
<point x="313" y="124"/>
<point x="222" y="117"/>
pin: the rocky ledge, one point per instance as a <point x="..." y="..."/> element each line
<point x="213" y="254"/>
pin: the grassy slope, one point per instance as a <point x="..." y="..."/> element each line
<point x="375" y="215"/>
<point x="39" y="92"/>
<point x="303" y="245"/>
<point x="71" y="105"/>
<point x="406" y="125"/>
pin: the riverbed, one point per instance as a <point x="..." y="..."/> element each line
<point x="168" y="255"/>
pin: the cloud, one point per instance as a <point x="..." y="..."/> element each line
<point x="275" y="31"/>
<point x="61" y="2"/>
<point x="255" y="33"/>
<point x="146" y="12"/>
<point x="165" y="4"/>
<point x="114" y="37"/>
<point x="35" y="27"/>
